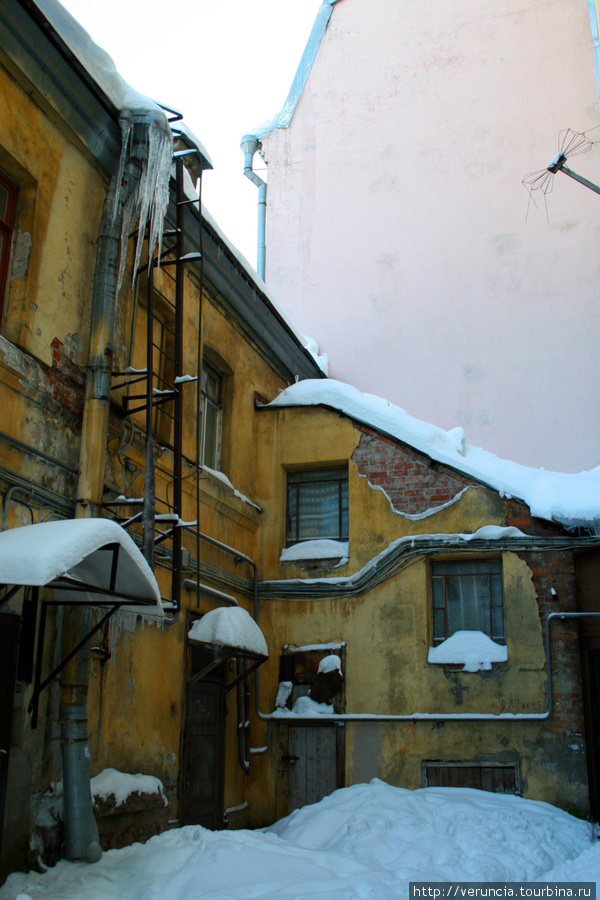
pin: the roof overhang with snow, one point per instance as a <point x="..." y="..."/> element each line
<point x="89" y="561"/>
<point x="232" y="630"/>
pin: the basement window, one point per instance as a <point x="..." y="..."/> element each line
<point x="317" y="505"/>
<point x="498" y="778"/>
<point x="467" y="596"/>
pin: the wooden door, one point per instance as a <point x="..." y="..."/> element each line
<point x="204" y="749"/>
<point x="9" y="642"/>
<point x="315" y="762"/>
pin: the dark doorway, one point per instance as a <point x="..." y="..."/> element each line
<point x="315" y="762"/>
<point x="591" y="696"/>
<point x="204" y="748"/>
<point x="587" y="567"/>
<point x="9" y="642"/>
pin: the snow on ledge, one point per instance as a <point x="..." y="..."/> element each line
<point x="570" y="498"/>
<point x="229" y="627"/>
<point x="121" y="786"/>
<point x="320" y="549"/>
<point x="225" y="480"/>
<point x="474" y="649"/>
<point x="331" y="663"/>
<point x="485" y="533"/>
<point x="306" y="708"/>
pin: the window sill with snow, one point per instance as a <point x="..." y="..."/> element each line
<point x="474" y="650"/>
<point x="317" y="554"/>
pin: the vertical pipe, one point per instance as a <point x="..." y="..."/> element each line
<point x="177" y="402"/>
<point x="80" y="829"/>
<point x="149" y="508"/>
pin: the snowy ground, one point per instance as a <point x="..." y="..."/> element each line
<point x="366" y="841"/>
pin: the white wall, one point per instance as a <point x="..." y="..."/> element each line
<point x="396" y="230"/>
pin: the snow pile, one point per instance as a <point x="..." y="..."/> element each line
<point x="331" y="663"/>
<point x="284" y="690"/>
<point x="121" y="785"/>
<point x="320" y="549"/>
<point x="366" y="841"/>
<point x="229" y="627"/>
<point x="473" y="648"/>
<point x="305" y="708"/>
<point x="321" y="359"/>
<point x="572" y="499"/>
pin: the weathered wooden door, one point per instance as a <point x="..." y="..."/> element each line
<point x="9" y="642"/>
<point x="316" y="762"/>
<point x="204" y="749"/>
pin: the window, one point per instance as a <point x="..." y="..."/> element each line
<point x="211" y="409"/>
<point x="317" y="505"/>
<point x="498" y="778"/>
<point x="467" y="596"/>
<point x="8" y="203"/>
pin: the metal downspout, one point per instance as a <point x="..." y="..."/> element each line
<point x="80" y="829"/>
<point x="250" y="146"/>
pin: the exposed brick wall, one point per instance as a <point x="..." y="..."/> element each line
<point x="66" y="380"/>
<point x="411" y="480"/>
<point x="414" y="485"/>
<point x="556" y="571"/>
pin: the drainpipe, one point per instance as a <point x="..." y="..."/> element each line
<point x="250" y="146"/>
<point x="81" y="840"/>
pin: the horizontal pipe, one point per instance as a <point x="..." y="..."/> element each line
<point x="444" y="717"/>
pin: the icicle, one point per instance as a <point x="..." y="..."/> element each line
<point x="150" y="198"/>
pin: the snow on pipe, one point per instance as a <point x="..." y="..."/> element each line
<point x="443" y="717"/>
<point x="249" y="147"/>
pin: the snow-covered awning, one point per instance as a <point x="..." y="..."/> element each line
<point x="83" y="560"/>
<point x="230" y="633"/>
<point x="232" y="629"/>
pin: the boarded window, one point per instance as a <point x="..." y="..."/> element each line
<point x="467" y="596"/>
<point x="498" y="778"/>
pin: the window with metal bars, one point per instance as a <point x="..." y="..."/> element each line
<point x="467" y="596"/>
<point x="317" y="505"/>
<point x="8" y="206"/>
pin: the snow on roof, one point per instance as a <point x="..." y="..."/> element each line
<point x="97" y="62"/>
<point x="303" y="340"/>
<point x="472" y="648"/>
<point x="572" y="499"/>
<point x="39" y="554"/>
<point x="229" y="627"/>
<point x="283" y="118"/>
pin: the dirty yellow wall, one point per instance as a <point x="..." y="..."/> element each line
<point x="387" y="632"/>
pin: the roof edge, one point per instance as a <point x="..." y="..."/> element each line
<point x="283" y="118"/>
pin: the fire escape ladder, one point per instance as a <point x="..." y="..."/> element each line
<point x="165" y="381"/>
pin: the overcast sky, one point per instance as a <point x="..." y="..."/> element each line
<point x="226" y="64"/>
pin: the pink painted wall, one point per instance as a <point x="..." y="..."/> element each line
<point x="396" y="229"/>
